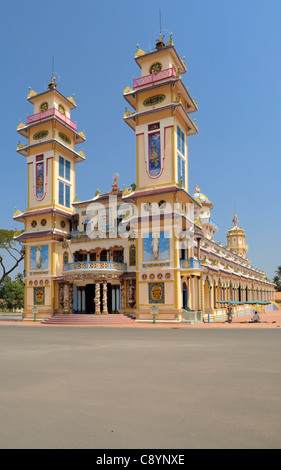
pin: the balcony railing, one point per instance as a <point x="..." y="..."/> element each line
<point x="95" y="265"/>
<point x="48" y="113"/>
<point x="190" y="264"/>
<point x="154" y="77"/>
<point x="208" y="220"/>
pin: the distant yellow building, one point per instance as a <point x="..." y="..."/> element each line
<point x="137" y="250"/>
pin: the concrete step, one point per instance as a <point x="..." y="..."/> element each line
<point x="91" y="319"/>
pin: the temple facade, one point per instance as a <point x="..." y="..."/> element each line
<point x="137" y="250"/>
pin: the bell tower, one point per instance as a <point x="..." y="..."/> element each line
<point x="161" y="118"/>
<point x="236" y="239"/>
<point x="51" y="158"/>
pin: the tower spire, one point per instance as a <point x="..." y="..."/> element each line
<point x="52" y="85"/>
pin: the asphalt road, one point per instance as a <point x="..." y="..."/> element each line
<point x="124" y="388"/>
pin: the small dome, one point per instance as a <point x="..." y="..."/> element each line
<point x="198" y="195"/>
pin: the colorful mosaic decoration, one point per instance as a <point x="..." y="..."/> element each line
<point x="61" y="109"/>
<point x="43" y="222"/>
<point x="33" y="224"/>
<point x="40" y="135"/>
<point x="155" y="67"/>
<point x="44" y="106"/>
<point x="65" y="257"/>
<point x="64" y="138"/>
<point x="153" y="100"/>
<point x="156" y="292"/>
<point x="39" y="295"/>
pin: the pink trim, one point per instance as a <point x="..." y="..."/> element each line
<point x="48" y="113"/>
<point x="154" y="77"/>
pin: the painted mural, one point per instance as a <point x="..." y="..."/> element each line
<point x="40" y="177"/>
<point x="154" y="154"/>
<point x="156" y="246"/>
<point x="39" y="257"/>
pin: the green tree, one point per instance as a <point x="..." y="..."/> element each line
<point x="277" y="279"/>
<point x="12" y="292"/>
<point x="13" y="249"/>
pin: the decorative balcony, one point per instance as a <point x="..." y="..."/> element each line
<point x="208" y="220"/>
<point x="154" y="77"/>
<point x="95" y="266"/>
<point x="190" y="264"/>
<point x="48" y="113"/>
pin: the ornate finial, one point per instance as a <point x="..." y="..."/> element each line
<point x="170" y="40"/>
<point x="197" y="189"/>
<point x="116" y="177"/>
<point x="160" y="43"/>
<point x="52" y="85"/>
<point x="235" y="220"/>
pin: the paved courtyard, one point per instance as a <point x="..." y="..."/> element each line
<point x="143" y="388"/>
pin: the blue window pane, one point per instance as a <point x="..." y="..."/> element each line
<point x="67" y="195"/>
<point x="61" y="167"/>
<point x="179" y="167"/>
<point x="61" y="193"/>
<point x="183" y="172"/>
<point x="67" y="170"/>
<point x="182" y="143"/>
<point x="179" y="137"/>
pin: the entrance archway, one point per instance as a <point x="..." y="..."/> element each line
<point x="184" y="296"/>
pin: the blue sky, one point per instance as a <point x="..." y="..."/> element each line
<point x="232" y="51"/>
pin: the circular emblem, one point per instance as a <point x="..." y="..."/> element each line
<point x="34" y="224"/>
<point x="155" y="67"/>
<point x="43" y="222"/>
<point x="44" y="106"/>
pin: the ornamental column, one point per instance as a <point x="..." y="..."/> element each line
<point x="104" y="298"/>
<point x="97" y="298"/>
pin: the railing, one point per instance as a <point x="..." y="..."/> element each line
<point x="107" y="232"/>
<point x="95" y="265"/>
<point x="190" y="264"/>
<point x="48" y="113"/>
<point x="208" y="220"/>
<point x="154" y="77"/>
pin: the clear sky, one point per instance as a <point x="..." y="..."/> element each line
<point x="232" y="51"/>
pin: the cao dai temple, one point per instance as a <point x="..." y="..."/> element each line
<point x="128" y="250"/>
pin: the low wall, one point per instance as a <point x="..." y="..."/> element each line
<point x="239" y="311"/>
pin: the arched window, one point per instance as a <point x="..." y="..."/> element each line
<point x="103" y="255"/>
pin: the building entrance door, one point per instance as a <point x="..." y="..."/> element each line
<point x="90" y="298"/>
<point x="184" y="296"/>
